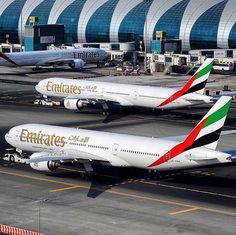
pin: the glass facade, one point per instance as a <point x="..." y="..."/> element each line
<point x="232" y="37"/>
<point x="98" y="27"/>
<point x="204" y="30"/>
<point x="42" y="11"/>
<point x="170" y="22"/>
<point x="132" y="26"/>
<point x="70" y="17"/>
<point x="9" y="21"/>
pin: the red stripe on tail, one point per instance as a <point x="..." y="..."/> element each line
<point x="178" y="149"/>
<point x="5" y="57"/>
<point x="179" y="93"/>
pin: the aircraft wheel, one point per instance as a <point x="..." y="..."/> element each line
<point x="12" y="159"/>
<point x="105" y="113"/>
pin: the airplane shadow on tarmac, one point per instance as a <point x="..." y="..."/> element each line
<point x="106" y="177"/>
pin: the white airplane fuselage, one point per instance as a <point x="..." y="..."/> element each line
<point x="48" y="57"/>
<point x="124" y="94"/>
<point x="119" y="149"/>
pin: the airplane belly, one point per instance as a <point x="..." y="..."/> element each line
<point x="175" y="105"/>
<point x="146" y="102"/>
<point x="181" y="163"/>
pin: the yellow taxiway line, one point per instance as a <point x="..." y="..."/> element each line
<point x="184" y="211"/>
<point x="37" y="178"/>
<point x="64" y="189"/>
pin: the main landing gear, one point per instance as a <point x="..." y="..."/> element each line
<point x="105" y="109"/>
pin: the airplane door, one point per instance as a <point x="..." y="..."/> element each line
<point x="103" y="92"/>
<point x="135" y="95"/>
<point x="168" y="156"/>
<point x="16" y="136"/>
<point x="115" y="149"/>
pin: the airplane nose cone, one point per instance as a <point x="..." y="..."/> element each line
<point x="8" y="138"/>
<point x="37" y="88"/>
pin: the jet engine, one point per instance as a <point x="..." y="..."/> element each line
<point x="47" y="166"/>
<point x="74" y="104"/>
<point x="77" y="64"/>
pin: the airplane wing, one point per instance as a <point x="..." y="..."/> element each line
<point x="85" y="97"/>
<point x="182" y="137"/>
<point x="47" y="62"/>
<point x="97" y="99"/>
<point x="67" y="154"/>
<point x="55" y="61"/>
<point x="217" y="97"/>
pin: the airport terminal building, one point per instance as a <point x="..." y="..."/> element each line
<point x="199" y="24"/>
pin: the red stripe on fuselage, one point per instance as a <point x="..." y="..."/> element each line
<point x="7" y="59"/>
<point x="179" y="93"/>
<point x="178" y="149"/>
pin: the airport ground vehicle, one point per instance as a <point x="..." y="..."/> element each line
<point x="46" y="102"/>
<point x="223" y="67"/>
<point x="14" y="156"/>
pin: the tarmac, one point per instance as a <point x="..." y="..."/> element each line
<point x="113" y="200"/>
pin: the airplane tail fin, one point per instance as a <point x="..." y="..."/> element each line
<point x="206" y="133"/>
<point x="6" y="58"/>
<point x="196" y="84"/>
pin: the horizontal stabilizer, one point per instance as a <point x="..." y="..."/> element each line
<point x="180" y="138"/>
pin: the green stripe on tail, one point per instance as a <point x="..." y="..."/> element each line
<point x="205" y="70"/>
<point x="219" y="114"/>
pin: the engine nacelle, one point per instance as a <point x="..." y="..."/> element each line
<point x="74" y="104"/>
<point x="77" y="64"/>
<point x="47" y="166"/>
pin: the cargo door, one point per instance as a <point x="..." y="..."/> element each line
<point x="135" y="95"/>
<point x="115" y="149"/>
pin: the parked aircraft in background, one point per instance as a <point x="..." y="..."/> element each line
<point x="75" y="58"/>
<point x="77" y="93"/>
<point x="224" y="93"/>
<point x="52" y="145"/>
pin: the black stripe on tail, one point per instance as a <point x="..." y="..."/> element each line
<point x="206" y="139"/>
<point x="197" y="87"/>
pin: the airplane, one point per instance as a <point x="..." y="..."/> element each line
<point x="52" y="145"/>
<point x="79" y="93"/>
<point x="224" y="93"/>
<point x="75" y="58"/>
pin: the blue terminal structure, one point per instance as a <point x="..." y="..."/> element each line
<point x="199" y="24"/>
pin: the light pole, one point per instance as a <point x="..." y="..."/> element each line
<point x="21" y="25"/>
<point x="145" y="35"/>
<point x="39" y="213"/>
<point x="39" y="225"/>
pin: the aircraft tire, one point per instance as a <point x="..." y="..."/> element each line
<point x="12" y="159"/>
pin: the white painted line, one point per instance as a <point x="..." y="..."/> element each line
<point x="190" y="189"/>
